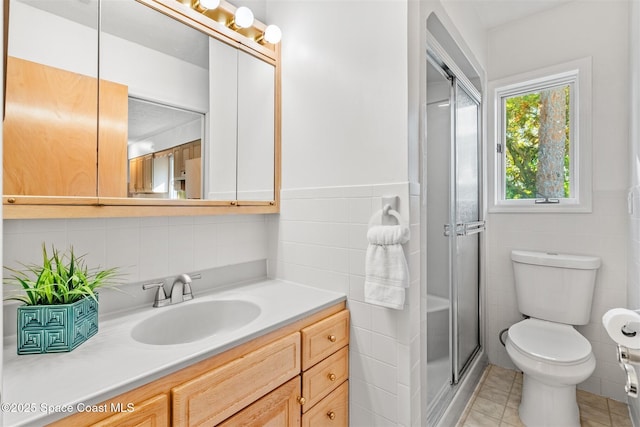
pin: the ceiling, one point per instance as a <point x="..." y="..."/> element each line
<point x="493" y="13"/>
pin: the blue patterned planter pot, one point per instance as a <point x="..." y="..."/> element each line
<point x="56" y="328"/>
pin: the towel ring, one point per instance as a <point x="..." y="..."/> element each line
<point x="386" y="211"/>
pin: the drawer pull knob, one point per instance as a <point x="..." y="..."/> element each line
<point x="331" y="415"/>
<point x="332" y="338"/>
<point x="302" y="400"/>
<point x="332" y="377"/>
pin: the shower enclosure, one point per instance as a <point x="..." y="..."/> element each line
<point x="452" y="177"/>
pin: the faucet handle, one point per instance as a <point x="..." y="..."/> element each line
<point x="186" y="290"/>
<point x="160" y="294"/>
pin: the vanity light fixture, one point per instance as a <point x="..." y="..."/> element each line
<point x="204" y="5"/>
<point x="242" y="18"/>
<point x="272" y="34"/>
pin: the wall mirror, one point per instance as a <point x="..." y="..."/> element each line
<point x="172" y="114"/>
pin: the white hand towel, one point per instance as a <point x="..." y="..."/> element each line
<point x="386" y="269"/>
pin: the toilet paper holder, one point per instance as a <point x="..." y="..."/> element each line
<point x="627" y="356"/>
<point x="631" y="387"/>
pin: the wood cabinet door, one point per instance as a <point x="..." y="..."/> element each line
<point x="214" y="396"/>
<point x="280" y="408"/>
<point x="147" y="173"/>
<point x="113" y="117"/>
<point x="50" y="131"/>
<point x="153" y="412"/>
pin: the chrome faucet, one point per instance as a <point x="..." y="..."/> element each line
<point x="180" y="290"/>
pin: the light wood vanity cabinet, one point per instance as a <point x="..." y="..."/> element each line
<point x="297" y="375"/>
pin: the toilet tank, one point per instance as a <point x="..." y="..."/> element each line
<point x="555" y="287"/>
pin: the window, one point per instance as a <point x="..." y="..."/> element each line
<point x="542" y="140"/>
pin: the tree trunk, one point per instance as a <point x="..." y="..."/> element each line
<point x="551" y="144"/>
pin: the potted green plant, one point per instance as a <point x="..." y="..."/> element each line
<point x="60" y="309"/>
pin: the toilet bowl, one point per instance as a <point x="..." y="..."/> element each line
<point x="554" y="358"/>
<point x="554" y="291"/>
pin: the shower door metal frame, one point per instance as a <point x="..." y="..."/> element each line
<point x="462" y="229"/>
<point x="435" y="55"/>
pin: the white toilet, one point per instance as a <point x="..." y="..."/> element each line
<point x="555" y="291"/>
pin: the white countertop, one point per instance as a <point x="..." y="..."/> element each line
<point x="37" y="389"/>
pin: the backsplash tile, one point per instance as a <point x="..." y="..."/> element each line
<point x="144" y="248"/>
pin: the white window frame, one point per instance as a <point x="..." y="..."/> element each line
<point x="578" y="75"/>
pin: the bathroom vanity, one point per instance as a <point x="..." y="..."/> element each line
<point x="287" y="366"/>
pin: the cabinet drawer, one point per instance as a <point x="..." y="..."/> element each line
<point x="280" y="408"/>
<point x="153" y="412"/>
<point x="324" y="338"/>
<point x="333" y="410"/>
<point x="221" y="392"/>
<point x="325" y="377"/>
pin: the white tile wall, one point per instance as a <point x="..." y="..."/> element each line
<point x="319" y="239"/>
<point x="145" y="248"/>
<point x="633" y="268"/>
<point x="602" y="233"/>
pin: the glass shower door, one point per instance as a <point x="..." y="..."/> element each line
<point x="438" y="272"/>
<point x="466" y="210"/>
<point x="453" y="184"/>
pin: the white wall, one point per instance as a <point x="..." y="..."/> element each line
<point x="344" y="145"/>
<point x="574" y="30"/>
<point x="43" y="37"/>
<point x="344" y="92"/>
<point x="470" y="28"/>
<point x="353" y="80"/>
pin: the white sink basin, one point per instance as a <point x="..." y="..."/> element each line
<point x="194" y="321"/>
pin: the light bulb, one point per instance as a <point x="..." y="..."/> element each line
<point x="210" y="4"/>
<point x="272" y="34"/>
<point x="243" y="18"/>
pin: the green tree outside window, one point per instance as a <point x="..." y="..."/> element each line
<point x="537" y="144"/>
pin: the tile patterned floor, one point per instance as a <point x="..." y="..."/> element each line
<point x="497" y="396"/>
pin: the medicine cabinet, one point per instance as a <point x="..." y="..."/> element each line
<point x="135" y="108"/>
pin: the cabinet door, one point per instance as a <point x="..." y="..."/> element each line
<point x="133" y="175"/>
<point x="221" y="392"/>
<point x="178" y="163"/>
<point x="50" y="131"/>
<point x="112" y="139"/>
<point x="256" y="129"/>
<point x="150" y="413"/>
<point x="279" y="408"/>
<point x="147" y="173"/>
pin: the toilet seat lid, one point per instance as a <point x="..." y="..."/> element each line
<point x="549" y="341"/>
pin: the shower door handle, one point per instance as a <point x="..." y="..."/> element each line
<point x="465" y="228"/>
